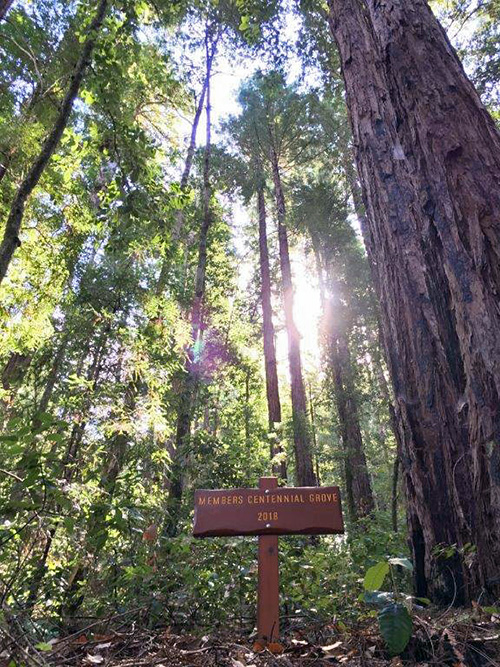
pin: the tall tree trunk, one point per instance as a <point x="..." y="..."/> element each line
<point x="187" y="398"/>
<point x="386" y="394"/>
<point x="192" y="142"/>
<point x="271" y="368"/>
<point x="179" y="215"/>
<point x="247" y="410"/>
<point x="428" y="155"/>
<point x="52" y="376"/>
<point x="394" y="495"/>
<point x="301" y="431"/>
<point x="41" y="88"/>
<point x="6" y="160"/>
<point x="13" y="226"/>
<point x="359" y="493"/>
<point x="312" y="412"/>
<point x="15" y="368"/>
<point x="92" y="375"/>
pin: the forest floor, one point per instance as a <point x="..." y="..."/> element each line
<point x="454" y="639"/>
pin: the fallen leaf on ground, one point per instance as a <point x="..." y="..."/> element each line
<point x="275" y="648"/>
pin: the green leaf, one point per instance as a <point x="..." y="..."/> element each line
<point x="69" y="524"/>
<point x="43" y="646"/>
<point x="55" y="437"/>
<point x="395" y="627"/>
<point x="491" y="610"/>
<point x="375" y="575"/>
<point x="404" y="562"/>
<point x="245" y="23"/>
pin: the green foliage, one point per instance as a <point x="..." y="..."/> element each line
<point x="474" y="29"/>
<point x="375" y="575"/>
<point x="395" y="626"/>
<point x="95" y="317"/>
<point x="394" y="616"/>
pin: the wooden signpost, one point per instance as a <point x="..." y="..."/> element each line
<point x="268" y="511"/>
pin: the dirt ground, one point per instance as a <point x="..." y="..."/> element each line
<point x="455" y="640"/>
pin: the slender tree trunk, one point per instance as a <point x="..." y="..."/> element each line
<point x="386" y="394"/>
<point x="93" y="374"/>
<point x="192" y="143"/>
<point x="359" y="493"/>
<point x="187" y="398"/>
<point x="15" y="369"/>
<point x="301" y="432"/>
<point x="179" y="215"/>
<point x="271" y="368"/>
<point x="246" y="413"/>
<point x="428" y="155"/>
<point x="53" y="374"/>
<point x="40" y="90"/>
<point x="40" y="569"/>
<point x="394" y="497"/>
<point x="5" y="163"/>
<point x="312" y="412"/>
<point x="4" y="7"/>
<point x="13" y="226"/>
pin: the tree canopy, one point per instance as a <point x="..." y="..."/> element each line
<point x="244" y="238"/>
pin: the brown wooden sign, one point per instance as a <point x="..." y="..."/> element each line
<point x="268" y="511"/>
<point x="277" y="511"/>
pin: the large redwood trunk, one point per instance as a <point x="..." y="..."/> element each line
<point x="428" y="155"/>
<point x="301" y="432"/>
<point x="272" y="386"/>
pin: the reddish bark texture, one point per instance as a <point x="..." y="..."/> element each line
<point x="272" y="386"/>
<point x="301" y="432"/>
<point x="428" y="156"/>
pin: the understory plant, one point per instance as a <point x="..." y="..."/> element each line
<point x="394" y="607"/>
